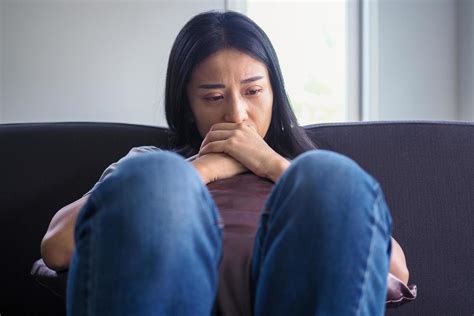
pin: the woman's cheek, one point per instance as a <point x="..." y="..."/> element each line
<point x="205" y="127"/>
<point x="201" y="126"/>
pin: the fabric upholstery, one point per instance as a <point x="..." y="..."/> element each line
<point x="425" y="169"/>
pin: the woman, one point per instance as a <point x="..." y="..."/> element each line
<point x="147" y="238"/>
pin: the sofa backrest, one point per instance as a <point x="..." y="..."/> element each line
<point x="426" y="170"/>
<point x="45" y="166"/>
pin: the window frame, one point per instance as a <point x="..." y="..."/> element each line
<point x="361" y="56"/>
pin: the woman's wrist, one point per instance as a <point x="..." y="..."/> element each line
<point x="201" y="169"/>
<point x="278" y="168"/>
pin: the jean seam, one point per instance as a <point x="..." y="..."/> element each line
<point x="264" y="222"/>
<point x="263" y="236"/>
<point x="88" y="272"/>
<point x="258" y="245"/>
<point x="375" y="221"/>
<point x="88" y="244"/>
<point x="209" y="205"/>
<point x="96" y="202"/>
<point x="218" y="223"/>
<point x="268" y="214"/>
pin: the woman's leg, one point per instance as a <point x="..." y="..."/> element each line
<point x="323" y="245"/>
<point x="148" y="242"/>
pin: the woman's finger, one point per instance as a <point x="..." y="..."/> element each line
<point x="224" y="126"/>
<point x="216" y="136"/>
<point x="230" y="126"/>
<point x="214" y="147"/>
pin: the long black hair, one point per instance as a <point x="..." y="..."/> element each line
<point x="203" y="35"/>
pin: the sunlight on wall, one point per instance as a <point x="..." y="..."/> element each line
<point x="310" y="40"/>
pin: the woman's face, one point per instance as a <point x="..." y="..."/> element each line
<point x="231" y="87"/>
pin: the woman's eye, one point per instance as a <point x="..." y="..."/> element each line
<point x="214" y="98"/>
<point x="254" y="91"/>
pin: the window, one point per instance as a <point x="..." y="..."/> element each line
<point x="310" y="40"/>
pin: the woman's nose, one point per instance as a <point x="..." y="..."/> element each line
<point x="236" y="111"/>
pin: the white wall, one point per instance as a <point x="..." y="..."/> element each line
<point x="97" y="60"/>
<point x="466" y="59"/>
<point x="418" y="59"/>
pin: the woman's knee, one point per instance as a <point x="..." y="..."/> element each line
<point x="154" y="189"/>
<point x="155" y="168"/>
<point x="330" y="182"/>
<point x="330" y="170"/>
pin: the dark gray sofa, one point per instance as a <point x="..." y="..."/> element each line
<point x="425" y="168"/>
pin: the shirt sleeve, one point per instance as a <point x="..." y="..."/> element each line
<point x="133" y="152"/>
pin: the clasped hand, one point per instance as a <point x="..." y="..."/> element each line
<point x="232" y="148"/>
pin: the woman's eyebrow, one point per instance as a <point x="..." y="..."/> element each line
<point x="222" y="86"/>
<point x="212" y="86"/>
<point x="251" y="79"/>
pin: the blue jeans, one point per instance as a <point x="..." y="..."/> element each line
<point x="149" y="242"/>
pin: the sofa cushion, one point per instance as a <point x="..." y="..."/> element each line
<point x="398" y="293"/>
<point x="239" y="200"/>
<point x="54" y="281"/>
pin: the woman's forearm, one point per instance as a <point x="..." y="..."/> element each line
<point x="398" y="265"/>
<point x="58" y="242"/>
<point x="202" y="170"/>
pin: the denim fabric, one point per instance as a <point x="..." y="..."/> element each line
<point x="323" y="245"/>
<point x="149" y="242"/>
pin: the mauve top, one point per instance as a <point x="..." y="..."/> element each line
<point x="240" y="200"/>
